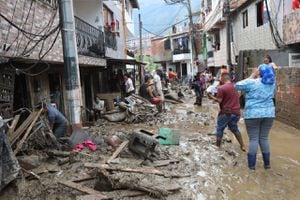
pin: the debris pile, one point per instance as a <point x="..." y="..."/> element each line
<point x="33" y="133"/>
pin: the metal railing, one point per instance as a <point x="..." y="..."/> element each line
<point x="110" y="39"/>
<point x="181" y="51"/>
<point x="90" y="40"/>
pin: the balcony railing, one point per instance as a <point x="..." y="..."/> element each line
<point x="90" y="40"/>
<point x="180" y="51"/>
<point x="110" y="39"/>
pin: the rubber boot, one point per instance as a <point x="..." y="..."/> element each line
<point x="241" y="142"/>
<point x="251" y="161"/>
<point x="219" y="141"/>
<point x="266" y="159"/>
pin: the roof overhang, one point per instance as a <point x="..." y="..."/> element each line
<point x="125" y="61"/>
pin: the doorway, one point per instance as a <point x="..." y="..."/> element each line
<point x="55" y="87"/>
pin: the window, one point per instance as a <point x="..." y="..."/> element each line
<point x="261" y="13"/>
<point x="108" y="18"/>
<point x="167" y="44"/>
<point x="245" y="19"/>
<point x="217" y="44"/>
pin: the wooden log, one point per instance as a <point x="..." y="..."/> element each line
<point x="118" y="151"/>
<point x="20" y="144"/>
<point x="53" y="153"/>
<point x="83" y="189"/>
<point x="125" y="169"/>
<point x="13" y="125"/>
<point x="14" y="137"/>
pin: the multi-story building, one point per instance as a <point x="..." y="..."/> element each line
<point x="175" y="51"/>
<point x="31" y="50"/>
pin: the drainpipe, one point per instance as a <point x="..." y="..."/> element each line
<point x="71" y="65"/>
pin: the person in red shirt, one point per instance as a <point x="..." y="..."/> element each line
<point x="229" y="114"/>
<point x="172" y="75"/>
<point x="295" y="4"/>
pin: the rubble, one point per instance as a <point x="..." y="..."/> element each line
<point x="129" y="161"/>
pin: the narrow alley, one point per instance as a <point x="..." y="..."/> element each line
<point x="140" y="99"/>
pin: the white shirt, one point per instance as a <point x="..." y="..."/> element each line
<point x="129" y="85"/>
<point x="157" y="81"/>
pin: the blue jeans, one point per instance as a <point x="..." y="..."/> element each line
<point x="230" y="121"/>
<point x="60" y="130"/>
<point x="258" y="132"/>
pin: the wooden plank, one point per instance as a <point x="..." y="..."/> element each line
<point x="83" y="189"/>
<point x="160" y="163"/>
<point x="86" y="177"/>
<point x="120" y="194"/>
<point x="13" y="125"/>
<point x="20" y="144"/>
<point x="124" y="169"/>
<point x="118" y="151"/>
<point x="14" y="137"/>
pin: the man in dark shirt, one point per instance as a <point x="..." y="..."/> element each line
<point x="57" y="120"/>
<point x="229" y="114"/>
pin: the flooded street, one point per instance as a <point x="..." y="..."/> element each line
<point x="205" y="171"/>
<point x="217" y="176"/>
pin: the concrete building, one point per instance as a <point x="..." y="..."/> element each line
<point x="174" y="51"/>
<point x="31" y="55"/>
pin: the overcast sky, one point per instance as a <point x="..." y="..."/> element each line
<point x="157" y="15"/>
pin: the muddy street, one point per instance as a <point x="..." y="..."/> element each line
<point x="204" y="171"/>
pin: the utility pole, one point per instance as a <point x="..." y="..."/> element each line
<point x="141" y="48"/>
<point x="228" y="38"/>
<point x="124" y="27"/>
<point x="191" y="33"/>
<point x="72" y="79"/>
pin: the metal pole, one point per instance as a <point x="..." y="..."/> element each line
<point x="141" y="49"/>
<point x="72" y="79"/>
<point x="124" y="27"/>
<point x="228" y="22"/>
<point x="191" y="33"/>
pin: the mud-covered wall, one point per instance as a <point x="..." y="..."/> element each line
<point x="288" y="96"/>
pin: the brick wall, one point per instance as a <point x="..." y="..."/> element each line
<point x="288" y="96"/>
<point x="38" y="15"/>
<point x="158" y="51"/>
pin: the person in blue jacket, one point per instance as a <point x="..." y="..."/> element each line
<point x="57" y="120"/>
<point x="259" y="111"/>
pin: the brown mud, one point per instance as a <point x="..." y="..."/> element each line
<point x="213" y="173"/>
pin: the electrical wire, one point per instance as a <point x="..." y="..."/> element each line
<point x="24" y="71"/>
<point x="26" y="19"/>
<point x="24" y="31"/>
<point x="278" y="41"/>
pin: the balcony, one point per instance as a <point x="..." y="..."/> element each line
<point x="110" y="39"/>
<point x="181" y="55"/>
<point x="90" y="40"/>
<point x="180" y="51"/>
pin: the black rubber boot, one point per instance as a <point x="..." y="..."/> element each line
<point x="219" y="141"/>
<point x="251" y="161"/>
<point x="266" y="159"/>
<point x="240" y="140"/>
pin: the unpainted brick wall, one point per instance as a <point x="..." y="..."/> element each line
<point x="288" y="96"/>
